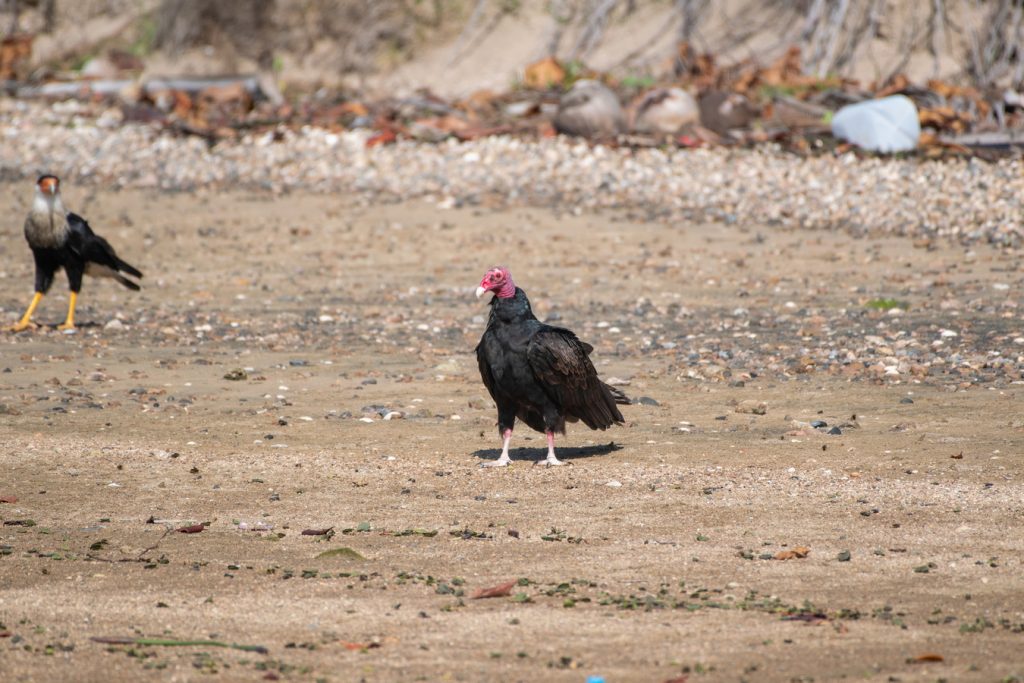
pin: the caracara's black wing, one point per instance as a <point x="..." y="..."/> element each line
<point x="92" y="248"/>
<point x="560" y="363"/>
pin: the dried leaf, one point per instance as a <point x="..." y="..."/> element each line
<point x="15" y="50"/>
<point x="344" y="553"/>
<point x="809" y="617"/>
<point x="786" y="71"/>
<point x="354" y="108"/>
<point x="193" y="529"/>
<point x="170" y="642"/>
<point x="896" y="84"/>
<point x="796" y="553"/>
<point x="498" y="591"/>
<point x="544" y="74"/>
<point x="8" y="499"/>
<point x="359" y="646"/>
<point x="447" y="123"/>
<point x="317" y="532"/>
<point x="385" y="137"/>
<point x="929" y="657"/>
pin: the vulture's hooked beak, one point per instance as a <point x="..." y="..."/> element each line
<point x="480" y="291"/>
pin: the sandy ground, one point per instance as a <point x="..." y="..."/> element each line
<point x="642" y="561"/>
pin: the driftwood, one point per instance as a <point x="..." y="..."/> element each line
<point x="192" y="86"/>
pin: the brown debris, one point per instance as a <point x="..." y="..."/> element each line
<point x="929" y="657"/>
<point x="499" y="591"/>
<point x="15" y="51"/>
<point x="797" y="553"/>
<point x="544" y="74"/>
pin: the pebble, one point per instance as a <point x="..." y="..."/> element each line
<point x="752" y="407"/>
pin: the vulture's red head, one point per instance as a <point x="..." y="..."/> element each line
<point x="48" y="184"/>
<point x="499" y="281"/>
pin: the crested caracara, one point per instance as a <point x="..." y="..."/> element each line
<point x="60" y="239"/>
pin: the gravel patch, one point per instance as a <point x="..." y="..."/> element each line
<point x="967" y="200"/>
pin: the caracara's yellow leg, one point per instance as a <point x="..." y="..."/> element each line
<point x="26" y="320"/>
<point x="69" y="324"/>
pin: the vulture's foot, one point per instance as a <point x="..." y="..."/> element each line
<point x="551" y="459"/>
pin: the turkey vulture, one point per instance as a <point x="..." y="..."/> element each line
<point x="538" y="373"/>
<point x="60" y="239"/>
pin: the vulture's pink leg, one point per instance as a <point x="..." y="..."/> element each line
<point x="504" y="460"/>
<point x="552" y="460"/>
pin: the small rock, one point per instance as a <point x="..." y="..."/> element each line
<point x="614" y="483"/>
<point x="646" y="401"/>
<point x="666" y="111"/>
<point x="590" y="109"/>
<point x="843" y="556"/>
<point x="835" y="431"/>
<point x="114" y="324"/>
<point x="818" y="424"/>
<point x="722" y="111"/>
<point x="752" y="407"/>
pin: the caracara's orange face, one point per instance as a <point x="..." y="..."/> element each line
<point x="48" y="184"/>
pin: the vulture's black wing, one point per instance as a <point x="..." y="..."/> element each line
<point x="560" y="363"/>
<point x="92" y="248"/>
<point x="485" y="369"/>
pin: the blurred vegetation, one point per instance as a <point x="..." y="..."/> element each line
<point x="984" y="38"/>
